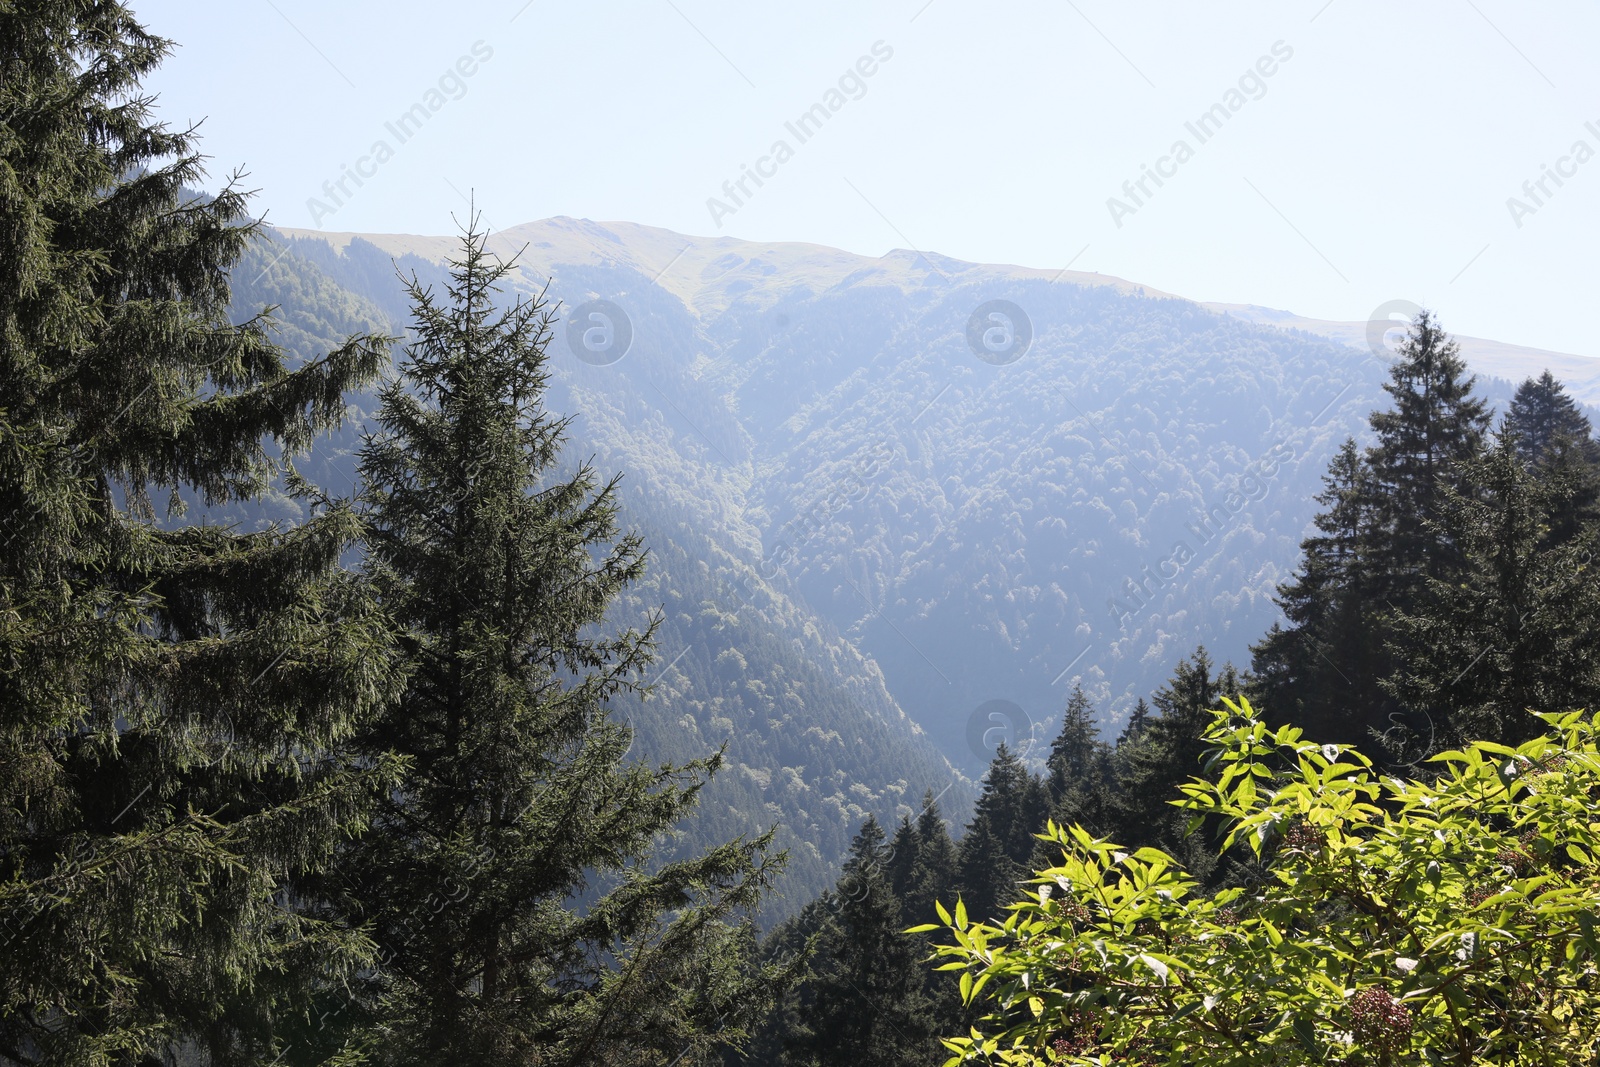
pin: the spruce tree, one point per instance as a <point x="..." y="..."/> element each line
<point x="1331" y="658"/>
<point x="919" y="869"/>
<point x="866" y="999"/>
<point x="791" y="946"/>
<point x="1013" y="806"/>
<point x="933" y="880"/>
<point x="509" y="879"/>
<point x="1382" y="543"/>
<point x="1079" y="773"/>
<point x="1165" y="755"/>
<point x="1542" y="414"/>
<point x="1571" y="480"/>
<point x="934" y="872"/>
<point x="174" y="699"/>
<point x="1137" y="721"/>
<point x="1516" y="632"/>
<point x="1076" y="751"/>
<point x="1437" y="424"/>
<point x="1556" y="441"/>
<point x="902" y="857"/>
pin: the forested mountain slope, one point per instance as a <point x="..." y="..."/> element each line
<point x="815" y="742"/>
<point x="1091" y="505"/>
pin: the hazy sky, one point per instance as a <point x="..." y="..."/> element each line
<point x="1375" y="162"/>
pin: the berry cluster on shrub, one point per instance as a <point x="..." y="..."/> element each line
<point x="1381" y="1024"/>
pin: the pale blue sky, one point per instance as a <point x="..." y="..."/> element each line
<point x="1375" y="163"/>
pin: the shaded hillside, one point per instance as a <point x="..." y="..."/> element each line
<point x="815" y="742"/>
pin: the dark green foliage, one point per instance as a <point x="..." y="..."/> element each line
<point x="174" y="702"/>
<point x="1333" y="645"/>
<point x="508" y="880"/>
<point x="1518" y="629"/>
<point x="312" y="314"/>
<point x="1165" y="754"/>
<point x="866" y="995"/>
<point x="1383" y="540"/>
<point x="1137" y="721"/>
<point x="1543" y="418"/>
<point x="921" y="861"/>
<point x="901" y="858"/>
<point x="1076" y="753"/>
<point x="1080" y="771"/>
<point x="1555" y="439"/>
<point x="1450" y="587"/>
<point x="1436" y="425"/>
<point x="864" y="1001"/>
<point x="932" y="874"/>
<point x="999" y="841"/>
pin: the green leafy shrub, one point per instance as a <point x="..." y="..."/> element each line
<point x="1450" y="921"/>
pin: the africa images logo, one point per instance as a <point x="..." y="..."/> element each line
<point x="851" y="85"/>
<point x="599" y="333"/>
<point x="451" y="85"/>
<point x="999" y="332"/>
<point x="999" y="722"/>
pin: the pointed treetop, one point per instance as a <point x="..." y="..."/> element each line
<point x="869" y="840"/>
<point x="1073" y="752"/>
<point x="929" y="821"/>
<point x="1543" y="414"/>
<point x="1137" y="722"/>
<point x="1436" y="416"/>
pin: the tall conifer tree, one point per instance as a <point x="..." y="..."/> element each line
<point x="1166" y="754"/>
<point x="174" y="701"/>
<point x="1557" y="441"/>
<point x="1382" y="542"/>
<point x="994" y="852"/>
<point x="1542" y="415"/>
<point x="1518" y="629"/>
<point x="933" y="880"/>
<point x="509" y="880"/>
<point x="1437" y="424"/>
<point x="1079" y="772"/>
<point x="902" y="857"/>
<point x="866" y="1000"/>
<point x="1137" y="721"/>
<point x="934" y="872"/>
<point x="1331" y="657"/>
<point x="1075" y="753"/>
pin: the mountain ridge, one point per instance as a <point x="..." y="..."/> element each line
<point x="672" y="257"/>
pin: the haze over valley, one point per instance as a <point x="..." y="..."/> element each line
<point x="883" y="549"/>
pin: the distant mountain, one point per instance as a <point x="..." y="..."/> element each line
<point x="900" y="504"/>
<point x="814" y="741"/>
<point x="1580" y="374"/>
